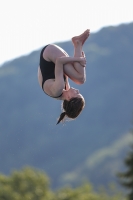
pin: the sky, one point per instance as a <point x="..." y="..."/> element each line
<point x="28" y="25"/>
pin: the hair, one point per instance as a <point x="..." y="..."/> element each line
<point x="72" y="108"/>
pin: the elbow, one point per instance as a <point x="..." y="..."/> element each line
<point x="58" y="60"/>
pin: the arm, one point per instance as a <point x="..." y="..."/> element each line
<point x="58" y="85"/>
<point x="59" y="70"/>
<point x="67" y="83"/>
<point x="64" y="60"/>
<point x="76" y="70"/>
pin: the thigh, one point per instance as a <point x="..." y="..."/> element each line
<point x="52" y="52"/>
<point x="70" y="71"/>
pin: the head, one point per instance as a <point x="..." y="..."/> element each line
<point x="72" y="105"/>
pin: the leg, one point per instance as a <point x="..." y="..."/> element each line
<point x="52" y="52"/>
<point x="78" y="42"/>
<point x="77" y="73"/>
<point x="79" y="53"/>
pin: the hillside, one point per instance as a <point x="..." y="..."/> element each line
<point x="28" y="134"/>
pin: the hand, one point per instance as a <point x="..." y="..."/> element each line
<point x="83" y="54"/>
<point x="83" y="61"/>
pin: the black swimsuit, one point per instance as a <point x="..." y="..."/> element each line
<point x="47" y="70"/>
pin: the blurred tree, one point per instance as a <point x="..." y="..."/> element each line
<point x="126" y="178"/>
<point x="85" y="192"/>
<point x="24" y="185"/>
<point x="30" y="184"/>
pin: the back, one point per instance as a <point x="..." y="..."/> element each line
<point x="47" y="68"/>
<point x="46" y="72"/>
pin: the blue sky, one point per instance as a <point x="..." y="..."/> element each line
<point x="30" y="24"/>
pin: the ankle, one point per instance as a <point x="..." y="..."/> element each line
<point x="78" y="43"/>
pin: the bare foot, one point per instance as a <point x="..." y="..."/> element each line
<point x="81" y="38"/>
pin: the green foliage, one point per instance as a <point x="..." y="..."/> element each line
<point x="24" y="185"/>
<point x="30" y="184"/>
<point x="86" y="192"/>
<point x="126" y="178"/>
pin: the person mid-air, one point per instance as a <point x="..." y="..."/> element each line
<point x="56" y="66"/>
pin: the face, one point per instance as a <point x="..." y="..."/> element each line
<point x="72" y="92"/>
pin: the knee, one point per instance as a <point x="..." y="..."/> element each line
<point x="81" y="80"/>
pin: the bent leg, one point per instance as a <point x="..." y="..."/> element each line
<point x="72" y="73"/>
<point x="52" y="52"/>
<point x="75" y="72"/>
<point x="78" y="74"/>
